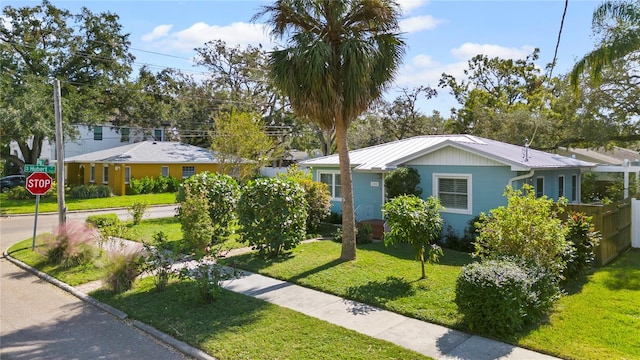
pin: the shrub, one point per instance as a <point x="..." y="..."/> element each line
<point x="90" y="191"/>
<point x="501" y="297"/>
<point x="363" y="233"/>
<point x="101" y="221"/>
<point x="197" y="227"/>
<point x="528" y="228"/>
<point x="402" y="181"/>
<point x="582" y="238"/>
<point x="222" y="193"/>
<point x="208" y="278"/>
<point x="19" y="193"/>
<point x="70" y="245"/>
<point x="121" y="269"/>
<point x="159" y="260"/>
<point x="414" y="221"/>
<point x="316" y="193"/>
<point x="273" y="214"/>
<point x="164" y="184"/>
<point x="137" y="210"/>
<point x="334" y="218"/>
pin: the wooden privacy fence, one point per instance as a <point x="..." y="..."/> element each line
<point x="613" y="221"/>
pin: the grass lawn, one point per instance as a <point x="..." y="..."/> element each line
<point x="598" y="319"/>
<point x="50" y="204"/>
<point x="241" y="327"/>
<point x="73" y="276"/>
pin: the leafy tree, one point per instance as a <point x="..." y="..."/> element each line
<point x="340" y="57"/>
<point x="316" y="193"/>
<point x="624" y="17"/>
<point x="417" y="222"/>
<point x="241" y="145"/>
<point x="272" y="214"/>
<point x="402" y="181"/>
<point x="87" y="52"/>
<point x="527" y="228"/>
<point x="197" y="227"/>
<point x="402" y="118"/>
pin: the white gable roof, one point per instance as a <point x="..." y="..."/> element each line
<point x="148" y="152"/>
<point x="386" y="157"/>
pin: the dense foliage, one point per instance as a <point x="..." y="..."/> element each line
<point x="316" y="193"/>
<point x="582" y="238"/>
<point x="272" y="213"/>
<point x="70" y="245"/>
<point x="197" y="227"/>
<point x="151" y="185"/>
<point x="414" y="221"/>
<point x="402" y="181"/>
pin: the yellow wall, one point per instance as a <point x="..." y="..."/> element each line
<point x="76" y="174"/>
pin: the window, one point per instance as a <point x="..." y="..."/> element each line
<point x="574" y="187"/>
<point x="454" y="192"/>
<point x="97" y="133"/>
<point x="333" y="180"/>
<point x="157" y="134"/>
<point x="92" y="173"/>
<point x="560" y="186"/>
<point x="164" y="171"/>
<point x="124" y="134"/>
<point x="105" y="174"/>
<point x="539" y="187"/>
<point x="188" y="171"/>
<point x="127" y="174"/>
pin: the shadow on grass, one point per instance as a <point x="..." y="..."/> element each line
<point x="405" y="251"/>
<point x="624" y="272"/>
<point x="179" y="312"/>
<point x="380" y="292"/>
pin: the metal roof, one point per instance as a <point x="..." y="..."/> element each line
<point x="386" y="157"/>
<point x="147" y="152"/>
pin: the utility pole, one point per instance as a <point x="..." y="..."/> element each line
<point x="62" y="209"/>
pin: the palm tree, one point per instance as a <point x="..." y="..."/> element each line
<point x="626" y="17"/>
<point x="340" y="56"/>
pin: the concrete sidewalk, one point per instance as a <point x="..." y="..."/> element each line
<point x="432" y="340"/>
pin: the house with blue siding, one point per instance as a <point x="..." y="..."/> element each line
<point x="469" y="174"/>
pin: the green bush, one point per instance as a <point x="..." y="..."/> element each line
<point x="121" y="269"/>
<point x="222" y="193"/>
<point x="197" y="228"/>
<point x="137" y="211"/>
<point x="414" y="221"/>
<point x="402" y="181"/>
<point x="316" y="193"/>
<point x="528" y="228"/>
<point x="208" y="279"/>
<point x="582" y="238"/>
<point x="363" y="233"/>
<point x="334" y="218"/>
<point x="272" y="213"/>
<point x="501" y="297"/>
<point x="70" y="245"/>
<point x="159" y="260"/>
<point x="104" y="220"/>
<point x="90" y="191"/>
<point x="19" y="193"/>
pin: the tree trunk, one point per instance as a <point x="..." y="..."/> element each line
<point x="424" y="275"/>
<point x="348" y="215"/>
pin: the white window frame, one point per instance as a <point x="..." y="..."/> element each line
<point x="127" y="174"/>
<point x="184" y="168"/>
<point x="436" y="191"/>
<point x="561" y="189"/>
<point x="539" y="192"/>
<point x="332" y="186"/>
<point x="164" y="171"/>
<point x="105" y="173"/>
<point x="92" y="173"/>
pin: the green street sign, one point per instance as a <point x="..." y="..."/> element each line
<point x="49" y="169"/>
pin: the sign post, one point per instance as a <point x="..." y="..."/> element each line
<point x="37" y="184"/>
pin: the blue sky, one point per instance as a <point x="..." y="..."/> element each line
<point x="441" y="35"/>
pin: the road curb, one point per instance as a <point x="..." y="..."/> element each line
<point x="82" y="211"/>
<point x="151" y="331"/>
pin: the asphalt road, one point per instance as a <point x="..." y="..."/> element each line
<point x="41" y="321"/>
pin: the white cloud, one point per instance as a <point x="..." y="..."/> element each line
<point x="468" y="50"/>
<point x="198" y="34"/>
<point x="6" y="23"/>
<point x="158" y="32"/>
<point x="419" y="23"/>
<point x="409" y="5"/>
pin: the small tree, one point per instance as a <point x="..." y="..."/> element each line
<point x="316" y="193"/>
<point x="417" y="222"/>
<point x="402" y="181"/>
<point x="272" y="213"/>
<point x="197" y="227"/>
<point x="528" y="228"/>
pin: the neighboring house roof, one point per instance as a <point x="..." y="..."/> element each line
<point x="386" y="157"/>
<point x="613" y="156"/>
<point x="147" y="152"/>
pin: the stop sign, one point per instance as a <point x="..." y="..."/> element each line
<point x="39" y="183"/>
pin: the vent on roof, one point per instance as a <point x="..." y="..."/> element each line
<point x="525" y="150"/>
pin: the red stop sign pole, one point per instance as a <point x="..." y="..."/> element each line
<point x="38" y="184"/>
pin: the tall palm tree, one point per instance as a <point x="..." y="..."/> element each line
<point x="625" y="15"/>
<point x="340" y="56"/>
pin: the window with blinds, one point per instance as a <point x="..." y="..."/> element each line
<point x="454" y="192"/>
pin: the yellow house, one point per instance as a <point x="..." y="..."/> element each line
<point x="115" y="167"/>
